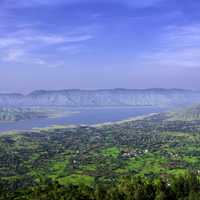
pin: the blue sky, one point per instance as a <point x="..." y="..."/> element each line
<point x="92" y="44"/>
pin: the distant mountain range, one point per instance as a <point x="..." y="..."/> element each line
<point x="113" y="97"/>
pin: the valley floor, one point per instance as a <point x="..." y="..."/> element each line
<point x="151" y="147"/>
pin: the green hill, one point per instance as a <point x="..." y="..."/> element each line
<point x="188" y="114"/>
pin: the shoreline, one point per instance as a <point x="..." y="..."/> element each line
<point x="68" y="126"/>
<point x="124" y="121"/>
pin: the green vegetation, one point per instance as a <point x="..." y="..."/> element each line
<point x="111" y="152"/>
<point x="152" y="148"/>
<point x="186" y="187"/>
<point x="189" y="114"/>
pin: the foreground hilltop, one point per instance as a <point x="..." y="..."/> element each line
<point x="114" y="97"/>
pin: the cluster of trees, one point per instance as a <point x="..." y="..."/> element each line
<point x="185" y="187"/>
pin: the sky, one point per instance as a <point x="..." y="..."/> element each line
<point x="99" y="44"/>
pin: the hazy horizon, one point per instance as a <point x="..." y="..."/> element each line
<point x="99" y="44"/>
<point x="97" y="89"/>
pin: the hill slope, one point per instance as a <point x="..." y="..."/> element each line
<point x="115" y="97"/>
<point x="189" y="114"/>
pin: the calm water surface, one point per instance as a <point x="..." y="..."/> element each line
<point x="84" y="116"/>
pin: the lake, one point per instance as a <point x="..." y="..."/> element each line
<point x="83" y="116"/>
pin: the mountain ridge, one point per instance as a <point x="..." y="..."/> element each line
<point x="95" y="90"/>
<point x="103" y="97"/>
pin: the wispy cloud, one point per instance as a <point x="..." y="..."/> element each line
<point x="179" y="48"/>
<point x="13" y="55"/>
<point x="73" y="49"/>
<point x="36" y="47"/>
<point x="141" y="3"/>
<point x="31" y="3"/>
<point x="29" y="36"/>
<point x="25" y="57"/>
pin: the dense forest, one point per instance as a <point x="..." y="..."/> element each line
<point x="185" y="187"/>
